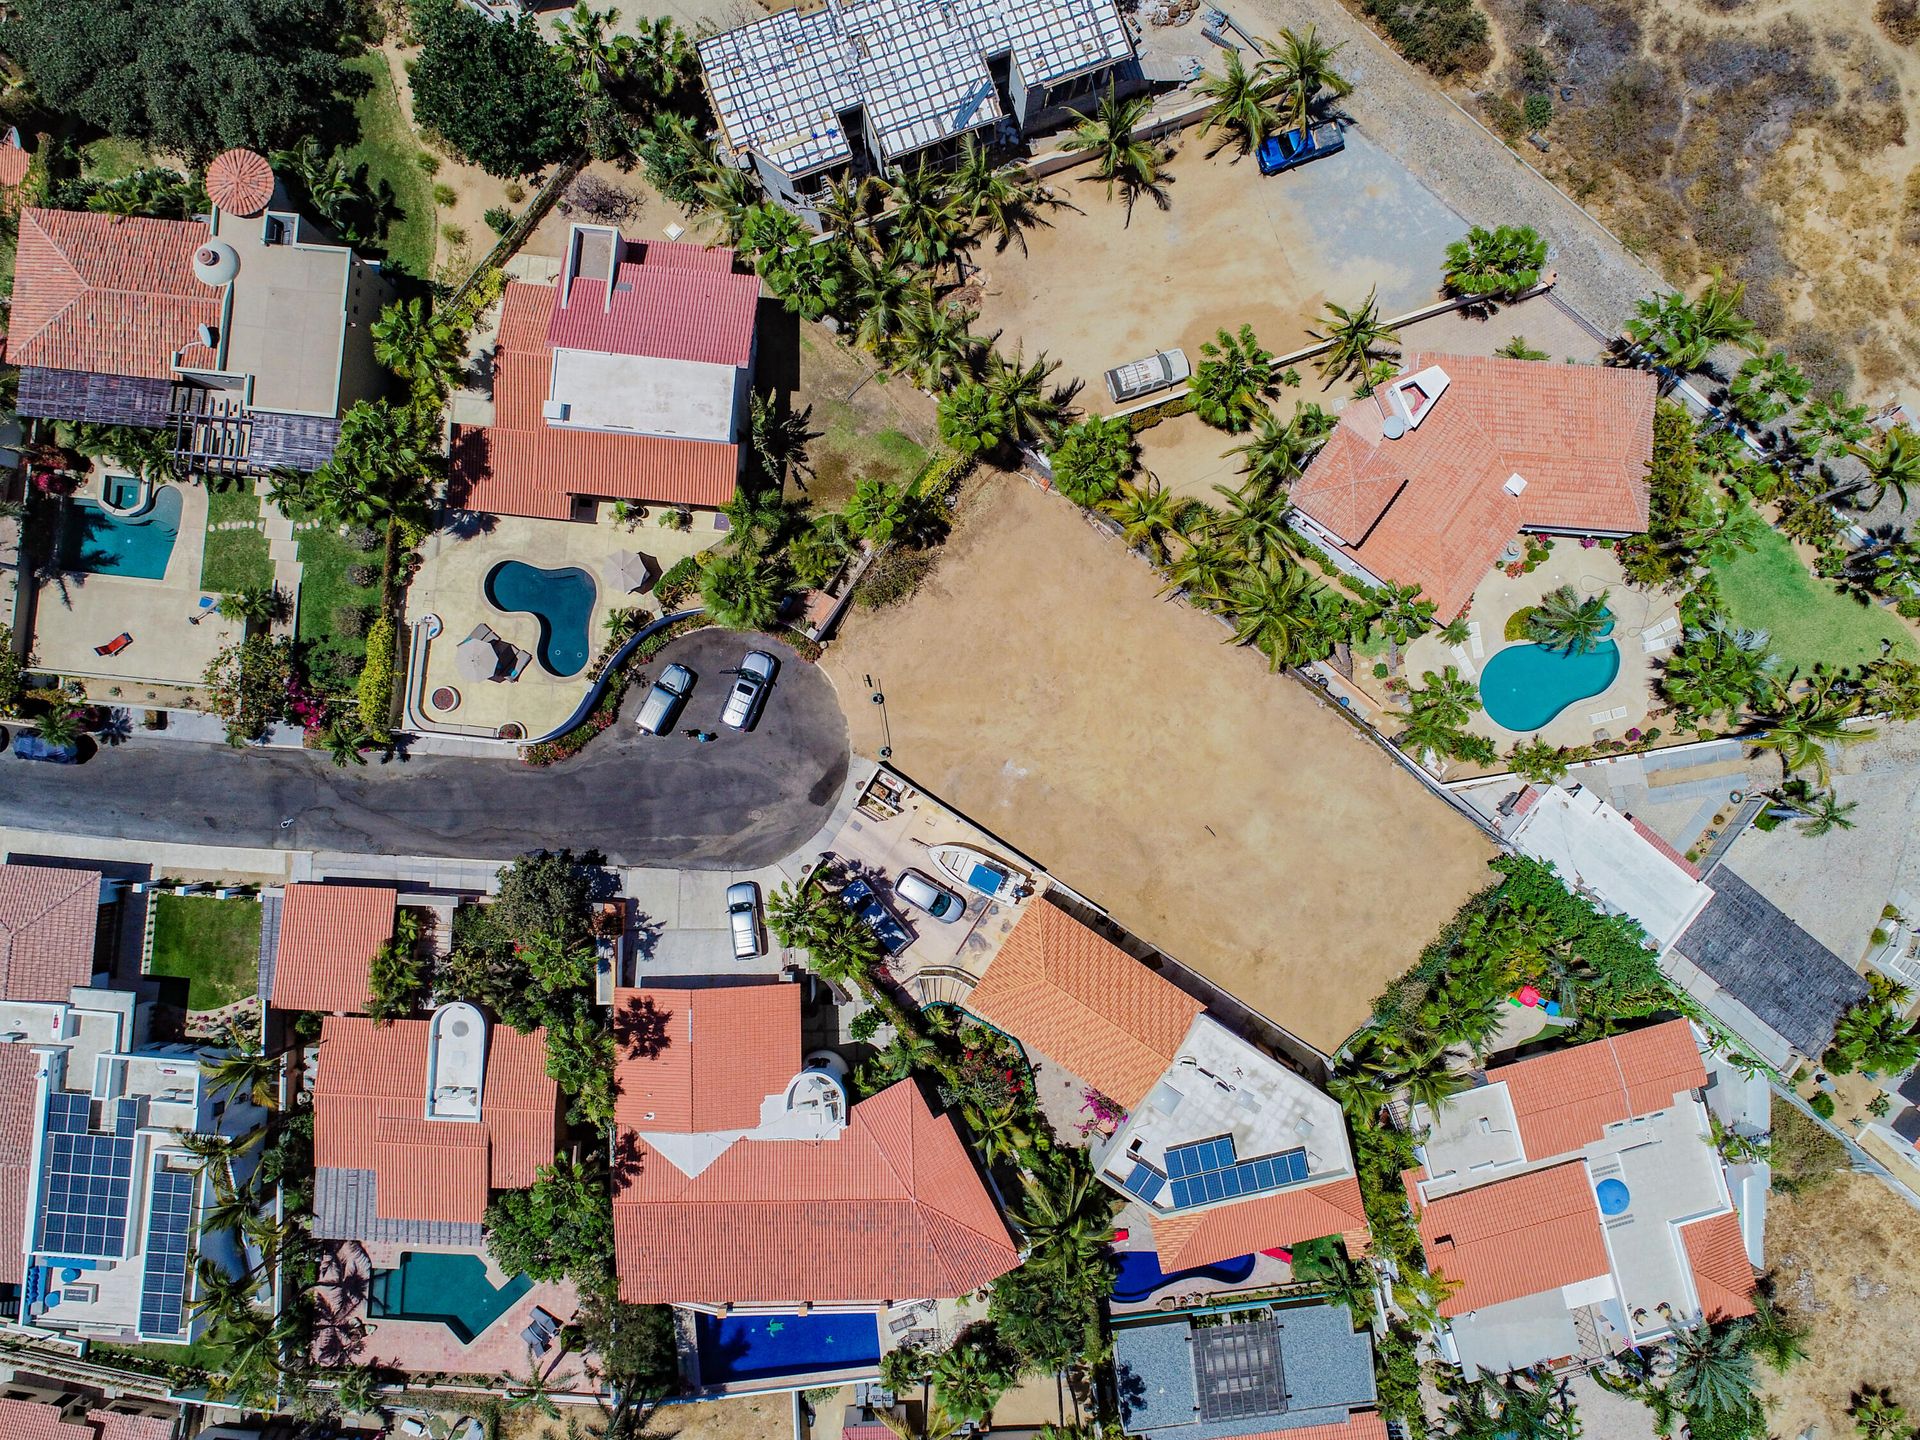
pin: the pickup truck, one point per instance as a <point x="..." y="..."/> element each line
<point x="1287" y="149"/>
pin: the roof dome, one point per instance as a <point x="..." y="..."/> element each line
<point x="215" y="263"/>
<point x="240" y="182"/>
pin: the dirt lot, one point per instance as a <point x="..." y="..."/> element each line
<point x="1233" y="248"/>
<point x="1843" y="1262"/>
<point x="1037" y="684"/>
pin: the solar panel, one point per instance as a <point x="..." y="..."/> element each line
<point x="163" y="1286"/>
<point x="88" y="1179"/>
<point x="1209" y="1170"/>
<point x="1143" y="1181"/>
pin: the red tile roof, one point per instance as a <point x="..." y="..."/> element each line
<point x="129" y="1427"/>
<point x="1060" y="989"/>
<point x="1333" y="1207"/>
<point x="108" y="295"/>
<point x="673" y="302"/>
<point x="1431" y="509"/>
<point x="1565" y="1099"/>
<point x="240" y="182"/>
<point x="1518" y="1237"/>
<point x="30" y="1420"/>
<point x="329" y="935"/>
<point x="520" y="465"/>
<point x="1529" y="798"/>
<point x="14" y="160"/>
<point x="1722" y="1274"/>
<point x="47" y="921"/>
<point x="368" y="1114"/>
<point x="19" y="1088"/>
<point x="1369" y="1426"/>
<point x="893" y="1208"/>
<point x="698" y="1060"/>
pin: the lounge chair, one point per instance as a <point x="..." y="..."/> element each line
<point x="115" y="645"/>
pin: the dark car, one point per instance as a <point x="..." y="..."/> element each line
<point x="893" y="936"/>
<point x="32" y="747"/>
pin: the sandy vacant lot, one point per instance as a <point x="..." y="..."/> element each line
<point x="1842" y="1259"/>
<point x="1037" y="684"/>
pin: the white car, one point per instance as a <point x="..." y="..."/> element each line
<point x="743" y="917"/>
<point x="664" y="700"/>
<point x="924" y="894"/>
<point x="750" y="683"/>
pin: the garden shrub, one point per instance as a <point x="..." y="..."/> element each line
<point x="1822" y="1104"/>
<point x="1539" y="112"/>
<point x="376" y="677"/>
<point x="1519" y="621"/>
<point x="499" y="219"/>
<point x="681" y="579"/>
<point x="1446" y="36"/>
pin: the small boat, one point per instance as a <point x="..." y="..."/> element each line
<point x="982" y="873"/>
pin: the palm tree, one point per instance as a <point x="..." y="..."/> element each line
<point x="1255" y="523"/>
<point x="1065" y="1225"/>
<point x="936" y="1423"/>
<point x="1300" y="69"/>
<point x="1431" y="1081"/>
<point x="1243" y="105"/>
<point x="356" y="1389"/>
<point x="1502" y="262"/>
<point x="731" y="193"/>
<point x="1893" y="464"/>
<point x="1766" y="388"/>
<point x="1148" y="513"/>
<point x="535" y="1393"/>
<point x="849" y="208"/>
<point x="1033" y="412"/>
<point x="742" y="591"/>
<point x="884" y="294"/>
<point x="1354" y="339"/>
<point x="61" y="726"/>
<point x="1517" y="348"/>
<point x="256" y="605"/>
<point x="1122" y="158"/>
<point x="1205" y="571"/>
<point x="797" y="914"/>
<point x="382" y="467"/>
<point x="1273" y="610"/>
<point x="924" y="226"/>
<point x="246" y="1070"/>
<point x="1563" y="621"/>
<point x="1818" y="812"/>
<point x="1712" y="1369"/>
<point x="939" y="346"/>
<point x="1001" y="198"/>
<point x="596" y="59"/>
<point x="1276" y="454"/>
<point x="969" y="1380"/>
<point x="1233" y="381"/>
<point x="1681" y="334"/>
<point x="228" y="1212"/>
<point x="998" y="1131"/>
<point x="418" y="346"/>
<point x="1801" y="730"/>
<point x="1776" y="1337"/>
<point x="219" y="1294"/>
<point x="1831" y="427"/>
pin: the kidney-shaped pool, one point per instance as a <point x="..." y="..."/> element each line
<point x="1525" y="686"/>
<point x="561" y="600"/>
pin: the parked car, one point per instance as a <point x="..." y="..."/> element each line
<point x="750" y="684"/>
<point x="1288" y="148"/>
<point x="664" y="700"/>
<point x="924" y="894"/>
<point x="743" y="915"/>
<point x="31" y="747"/>
<point x="893" y="936"/>
<point x="1143" y="377"/>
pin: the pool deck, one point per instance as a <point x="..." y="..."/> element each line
<point x="348" y="1335"/>
<point x="77" y="610"/>
<point x="455" y="562"/>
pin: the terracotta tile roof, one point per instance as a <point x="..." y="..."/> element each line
<point x="240" y="182"/>
<point x="1333" y="1207"/>
<point x="1529" y="798"/>
<point x="673" y="302"/>
<point x="1431" y="508"/>
<point x="30" y="1420"/>
<point x="368" y="1114"/>
<point x="1517" y="1237"/>
<point x="108" y="295"/>
<point x="520" y="465"/>
<point x="696" y="1060"/>
<point x="1062" y="990"/>
<point x="893" y="1208"/>
<point x="1722" y="1274"/>
<point x="1565" y="1099"/>
<point x="1367" y="1426"/>
<point x="329" y="935"/>
<point x="19" y="1088"/>
<point x="47" y="922"/>
<point x="130" y="1427"/>
<point x="14" y="160"/>
<point x="1659" y="842"/>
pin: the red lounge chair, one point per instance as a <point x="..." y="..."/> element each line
<point x="115" y="645"/>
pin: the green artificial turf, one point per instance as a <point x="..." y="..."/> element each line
<point x="214" y="945"/>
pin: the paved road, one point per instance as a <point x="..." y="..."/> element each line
<point x="743" y="801"/>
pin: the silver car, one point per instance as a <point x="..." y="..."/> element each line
<point x="750" y="684"/>
<point x="664" y="700"/>
<point x="743" y="915"/>
<point x="924" y="894"/>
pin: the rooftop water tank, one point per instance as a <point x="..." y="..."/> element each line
<point x="216" y="263"/>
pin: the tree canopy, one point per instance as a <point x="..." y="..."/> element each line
<point x="495" y="91"/>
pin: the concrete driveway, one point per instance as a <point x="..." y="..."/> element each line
<point x="740" y="802"/>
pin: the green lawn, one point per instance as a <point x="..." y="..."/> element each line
<point x="326" y="585"/>
<point x="234" y="559"/>
<point x="110" y="158"/>
<point x="1809" y="619"/>
<point x="389" y="149"/>
<point x="214" y="945"/>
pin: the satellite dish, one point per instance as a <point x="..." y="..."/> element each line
<point x="216" y="263"/>
<point x="1392" y="427"/>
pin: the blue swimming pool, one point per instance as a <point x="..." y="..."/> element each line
<point x="138" y="546"/>
<point x="1525" y="686"/>
<point x="1614" y="1196"/>
<point x="1140" y="1274"/>
<point x="451" y="1289"/>
<point x="561" y="600"/>
<point x="766" y="1347"/>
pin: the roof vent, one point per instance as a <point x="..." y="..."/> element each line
<point x="553" y="410"/>
<point x="1392" y="427"/>
<point x="216" y="263"/>
<point x="1516" y="482"/>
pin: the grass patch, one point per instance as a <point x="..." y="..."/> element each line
<point x="326" y="585"/>
<point x="1809" y="620"/>
<point x="388" y="147"/>
<point x="111" y="158"/>
<point x="1805" y="1157"/>
<point x="214" y="945"/>
<point x="212" y="1352"/>
<point x="234" y="559"/>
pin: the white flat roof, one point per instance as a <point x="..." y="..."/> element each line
<point x="686" y="399"/>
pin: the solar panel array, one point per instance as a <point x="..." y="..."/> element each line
<point x="88" y="1179"/>
<point x="163" y="1287"/>
<point x="1208" y="1170"/>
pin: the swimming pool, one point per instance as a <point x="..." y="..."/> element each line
<point x="765" y="1347"/>
<point x="561" y="600"/>
<point x="452" y="1289"/>
<point x="1525" y="686"/>
<point x="138" y="546"/>
<point x="1140" y="1274"/>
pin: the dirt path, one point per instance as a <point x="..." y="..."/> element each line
<point x="1037" y="684"/>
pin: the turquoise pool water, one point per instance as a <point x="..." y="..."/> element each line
<point x="102" y="543"/>
<point x="452" y="1289"/>
<point x="561" y="600"/>
<point x="764" y="1347"/>
<point x="1525" y="686"/>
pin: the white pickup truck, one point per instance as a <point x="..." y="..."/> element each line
<point x="1143" y="377"/>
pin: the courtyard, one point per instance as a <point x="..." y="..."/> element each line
<point x="1216" y="810"/>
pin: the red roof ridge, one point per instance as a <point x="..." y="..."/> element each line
<point x="1659" y="842"/>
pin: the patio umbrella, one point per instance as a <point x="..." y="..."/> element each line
<point x="476" y="659"/>
<point x="629" y="571"/>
